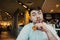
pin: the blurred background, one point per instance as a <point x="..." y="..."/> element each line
<point x="14" y="14"/>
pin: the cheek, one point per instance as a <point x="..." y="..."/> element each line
<point x="33" y="18"/>
<point x="41" y="16"/>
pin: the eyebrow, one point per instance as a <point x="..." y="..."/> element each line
<point x="39" y="11"/>
<point x="33" y="12"/>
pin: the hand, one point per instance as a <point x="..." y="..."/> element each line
<point x="41" y="26"/>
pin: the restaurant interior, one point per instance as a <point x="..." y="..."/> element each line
<point x="14" y="14"/>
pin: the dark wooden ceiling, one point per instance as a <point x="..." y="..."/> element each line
<point x="10" y="6"/>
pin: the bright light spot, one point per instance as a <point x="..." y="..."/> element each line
<point x="57" y="5"/>
<point x="51" y="10"/>
<point x="21" y="13"/>
<point x="20" y="3"/>
<point x="24" y="6"/>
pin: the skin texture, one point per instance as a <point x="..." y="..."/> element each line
<point x="37" y="19"/>
<point x="36" y="16"/>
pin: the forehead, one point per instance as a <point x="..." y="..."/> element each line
<point x="35" y="11"/>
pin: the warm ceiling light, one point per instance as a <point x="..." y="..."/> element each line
<point x="24" y="6"/>
<point x="20" y="3"/>
<point x="57" y="5"/>
<point x="28" y="9"/>
<point x="51" y="10"/>
<point x="21" y="13"/>
<point x="7" y="13"/>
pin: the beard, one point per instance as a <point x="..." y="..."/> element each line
<point x="38" y="21"/>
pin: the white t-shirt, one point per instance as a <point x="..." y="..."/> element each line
<point x="28" y="33"/>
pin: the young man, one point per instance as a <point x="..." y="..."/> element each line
<point x="37" y="30"/>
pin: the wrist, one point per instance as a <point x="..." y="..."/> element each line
<point x="47" y="31"/>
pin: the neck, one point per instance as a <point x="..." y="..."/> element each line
<point x="35" y="22"/>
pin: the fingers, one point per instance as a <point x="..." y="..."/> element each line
<point x="39" y="26"/>
<point x="34" y="28"/>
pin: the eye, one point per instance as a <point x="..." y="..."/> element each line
<point x="39" y="13"/>
<point x="33" y="14"/>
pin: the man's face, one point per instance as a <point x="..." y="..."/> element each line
<point x="36" y="16"/>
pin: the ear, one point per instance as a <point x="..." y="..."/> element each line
<point x="30" y="18"/>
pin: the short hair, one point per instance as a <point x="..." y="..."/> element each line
<point x="34" y="8"/>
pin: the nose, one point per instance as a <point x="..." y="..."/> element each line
<point x="38" y="18"/>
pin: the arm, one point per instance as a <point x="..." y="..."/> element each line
<point x="24" y="33"/>
<point x="51" y="36"/>
<point x="51" y="33"/>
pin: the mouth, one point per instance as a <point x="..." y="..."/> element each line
<point x="39" y="21"/>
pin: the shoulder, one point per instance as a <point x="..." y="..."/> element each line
<point x="48" y="26"/>
<point x="27" y="26"/>
<point x="51" y="28"/>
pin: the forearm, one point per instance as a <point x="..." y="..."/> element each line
<point x="51" y="36"/>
